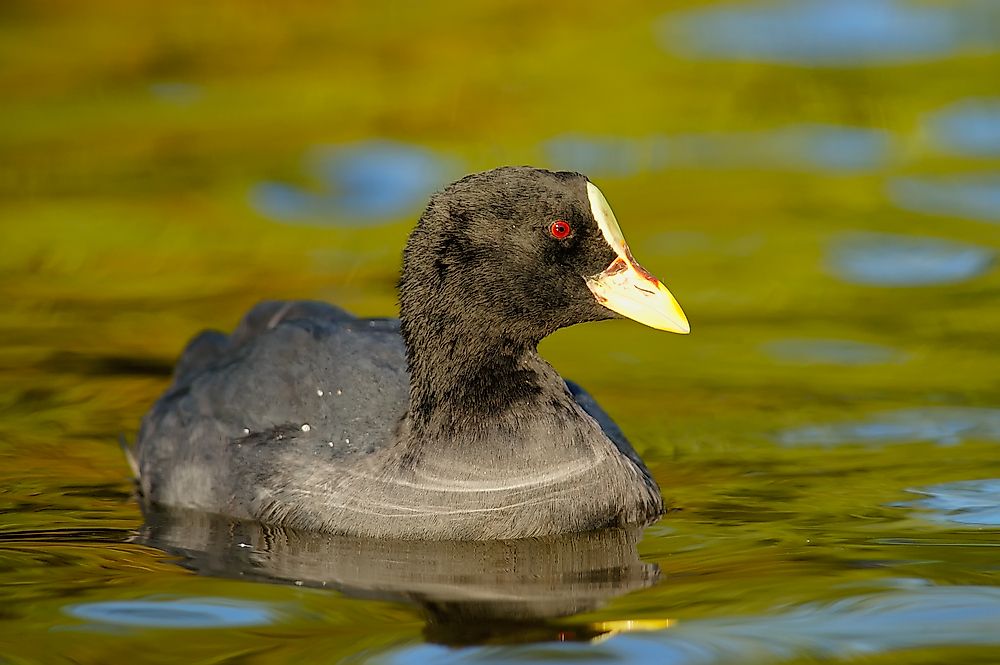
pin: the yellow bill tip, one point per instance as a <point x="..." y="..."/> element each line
<point x="626" y="288"/>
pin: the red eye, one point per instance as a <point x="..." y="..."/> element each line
<point x="560" y="229"/>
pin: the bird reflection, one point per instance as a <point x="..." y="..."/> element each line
<point x="470" y="592"/>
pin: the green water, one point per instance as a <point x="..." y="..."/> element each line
<point x="817" y="182"/>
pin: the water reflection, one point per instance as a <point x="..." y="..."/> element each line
<point x="470" y="592"/>
<point x="831" y="351"/>
<point x="175" y="613"/>
<point x="857" y="626"/>
<point x="975" y="502"/>
<point x="361" y="183"/>
<point x="973" y="196"/>
<point x="942" y="425"/>
<point x="829" y="32"/>
<point x="970" y="127"/>
<point x="882" y="259"/>
<point x="806" y="147"/>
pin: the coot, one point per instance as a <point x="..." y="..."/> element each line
<point x="445" y="424"/>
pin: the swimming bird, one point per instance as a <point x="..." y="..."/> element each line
<point x="444" y="425"/>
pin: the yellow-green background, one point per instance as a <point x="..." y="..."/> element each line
<point x="134" y="135"/>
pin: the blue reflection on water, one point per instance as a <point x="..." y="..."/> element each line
<point x="827" y="32"/>
<point x="361" y="183"/>
<point x="897" y="260"/>
<point x="943" y="425"/>
<point x="974" y="196"/>
<point x="175" y="613"/>
<point x="857" y="626"/>
<point x="831" y="351"/>
<point x="809" y="147"/>
<point x="598" y="156"/>
<point x="970" y="127"/>
<point x="964" y="502"/>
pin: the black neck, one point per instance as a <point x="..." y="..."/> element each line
<point x="458" y="376"/>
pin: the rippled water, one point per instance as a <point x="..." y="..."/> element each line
<point x="817" y="182"/>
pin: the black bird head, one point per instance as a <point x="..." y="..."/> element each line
<point x="515" y="253"/>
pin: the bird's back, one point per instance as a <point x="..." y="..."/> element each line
<point x="299" y="374"/>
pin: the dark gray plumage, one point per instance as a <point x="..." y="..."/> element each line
<point x="446" y="426"/>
